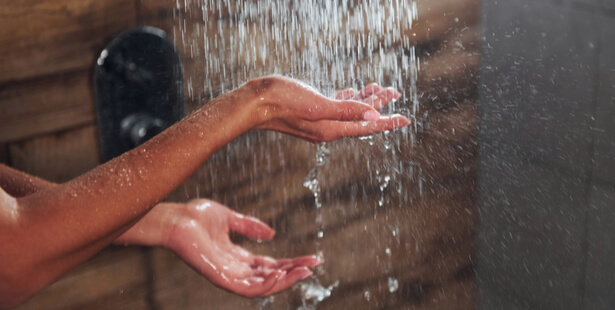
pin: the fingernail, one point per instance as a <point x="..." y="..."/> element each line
<point x="371" y="115"/>
<point x="316" y="263"/>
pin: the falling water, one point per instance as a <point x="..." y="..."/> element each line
<point x="321" y="42"/>
<point x="328" y="44"/>
<point x="312" y="292"/>
<point x="311" y="183"/>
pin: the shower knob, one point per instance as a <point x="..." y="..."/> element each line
<point x="139" y="127"/>
<point x="138" y="85"/>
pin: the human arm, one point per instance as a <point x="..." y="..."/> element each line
<point x="45" y="234"/>
<point x="198" y="232"/>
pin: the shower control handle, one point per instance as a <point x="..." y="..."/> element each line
<point x="139" y="127"/>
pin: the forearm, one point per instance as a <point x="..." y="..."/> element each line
<point x="63" y="225"/>
<point x="149" y="230"/>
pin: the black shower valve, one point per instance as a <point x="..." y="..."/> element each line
<point x="138" y="82"/>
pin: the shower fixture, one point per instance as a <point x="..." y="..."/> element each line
<point x="138" y="86"/>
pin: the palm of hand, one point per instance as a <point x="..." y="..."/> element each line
<point x="295" y="108"/>
<point x="201" y="238"/>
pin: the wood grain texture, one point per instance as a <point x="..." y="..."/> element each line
<point x="58" y="157"/>
<point x="40" y="38"/>
<point x="113" y="279"/>
<point x="46" y="105"/>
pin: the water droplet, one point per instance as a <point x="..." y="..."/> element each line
<point x="393" y="285"/>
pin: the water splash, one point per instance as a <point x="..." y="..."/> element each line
<point x="312" y="292"/>
<point x="266" y="303"/>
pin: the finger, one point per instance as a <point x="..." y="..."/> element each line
<point x="265" y="261"/>
<point x="256" y="286"/>
<point x="303" y="261"/>
<point x="384" y="96"/>
<point x="374" y="101"/>
<point x="344" y="110"/>
<point x="358" y="129"/>
<point x="368" y="91"/>
<point x="285" y="263"/>
<point x="289" y="279"/>
<point x="250" y="227"/>
<point x="345" y="94"/>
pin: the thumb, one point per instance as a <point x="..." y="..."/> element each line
<point x="250" y="227"/>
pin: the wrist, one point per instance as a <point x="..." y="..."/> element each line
<point x="172" y="216"/>
<point x="257" y="100"/>
<point x="154" y="229"/>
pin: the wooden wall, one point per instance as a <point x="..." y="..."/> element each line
<point x="47" y="128"/>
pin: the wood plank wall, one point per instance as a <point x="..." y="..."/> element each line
<point x="47" y="128"/>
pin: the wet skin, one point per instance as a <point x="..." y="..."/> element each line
<point x="47" y="229"/>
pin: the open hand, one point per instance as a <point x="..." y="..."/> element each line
<point x="292" y="107"/>
<point x="201" y="238"/>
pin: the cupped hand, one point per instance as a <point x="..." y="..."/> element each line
<point x="201" y="238"/>
<point x="293" y="107"/>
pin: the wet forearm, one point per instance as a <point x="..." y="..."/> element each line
<point x="63" y="225"/>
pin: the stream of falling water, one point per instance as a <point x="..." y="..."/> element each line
<point x="311" y="183"/>
<point x="329" y="44"/>
<point x="312" y="292"/>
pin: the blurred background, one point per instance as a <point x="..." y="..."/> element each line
<point x="499" y="196"/>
